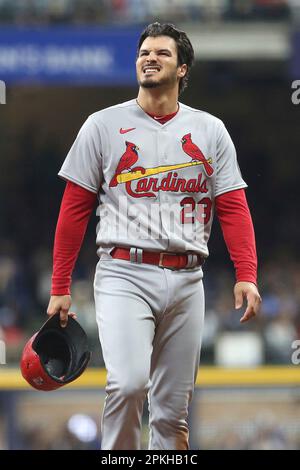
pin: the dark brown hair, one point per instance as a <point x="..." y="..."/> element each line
<point x="185" y="51"/>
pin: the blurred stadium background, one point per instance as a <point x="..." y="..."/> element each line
<point x="62" y="60"/>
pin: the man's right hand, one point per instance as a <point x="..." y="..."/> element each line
<point x="61" y="304"/>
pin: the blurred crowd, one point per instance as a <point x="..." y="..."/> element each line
<point x="140" y="11"/>
<point x="276" y="327"/>
<point x="251" y="425"/>
<point x="25" y="248"/>
<point x="263" y="432"/>
<point x="79" y="432"/>
<point x="24" y="295"/>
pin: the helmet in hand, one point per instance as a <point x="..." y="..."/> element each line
<point x="55" y="356"/>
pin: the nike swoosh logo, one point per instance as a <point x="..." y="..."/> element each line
<point x="123" y="131"/>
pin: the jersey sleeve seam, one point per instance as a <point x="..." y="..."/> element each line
<point x="231" y="188"/>
<point x="99" y="154"/>
<point x="76" y="181"/>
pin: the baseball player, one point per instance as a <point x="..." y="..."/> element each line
<point x="158" y="169"/>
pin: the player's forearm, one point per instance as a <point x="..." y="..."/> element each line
<point x="237" y="227"/>
<point x="76" y="207"/>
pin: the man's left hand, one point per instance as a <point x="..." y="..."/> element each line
<point x="249" y="291"/>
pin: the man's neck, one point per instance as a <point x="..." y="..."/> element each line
<point x="156" y="103"/>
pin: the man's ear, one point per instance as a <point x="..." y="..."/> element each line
<point x="182" y="70"/>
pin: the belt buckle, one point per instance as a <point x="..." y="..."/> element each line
<point x="161" y="260"/>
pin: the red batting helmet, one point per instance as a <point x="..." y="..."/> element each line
<point x="55" y="356"/>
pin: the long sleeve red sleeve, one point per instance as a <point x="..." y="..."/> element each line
<point x="76" y="207"/>
<point x="238" y="232"/>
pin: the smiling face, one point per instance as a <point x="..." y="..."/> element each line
<point x="157" y="63"/>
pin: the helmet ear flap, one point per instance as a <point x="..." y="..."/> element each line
<point x="55" y="356"/>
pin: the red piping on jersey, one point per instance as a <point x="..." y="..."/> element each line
<point x="163" y="119"/>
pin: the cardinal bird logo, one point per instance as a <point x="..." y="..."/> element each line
<point x="128" y="159"/>
<point x="193" y="151"/>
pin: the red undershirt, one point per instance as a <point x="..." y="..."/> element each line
<point x="78" y="203"/>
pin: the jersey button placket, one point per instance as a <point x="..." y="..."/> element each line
<point x="162" y="146"/>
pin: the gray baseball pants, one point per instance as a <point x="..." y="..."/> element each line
<point x="150" y="322"/>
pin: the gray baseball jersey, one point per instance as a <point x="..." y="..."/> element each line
<point x="156" y="186"/>
<point x="156" y="183"/>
